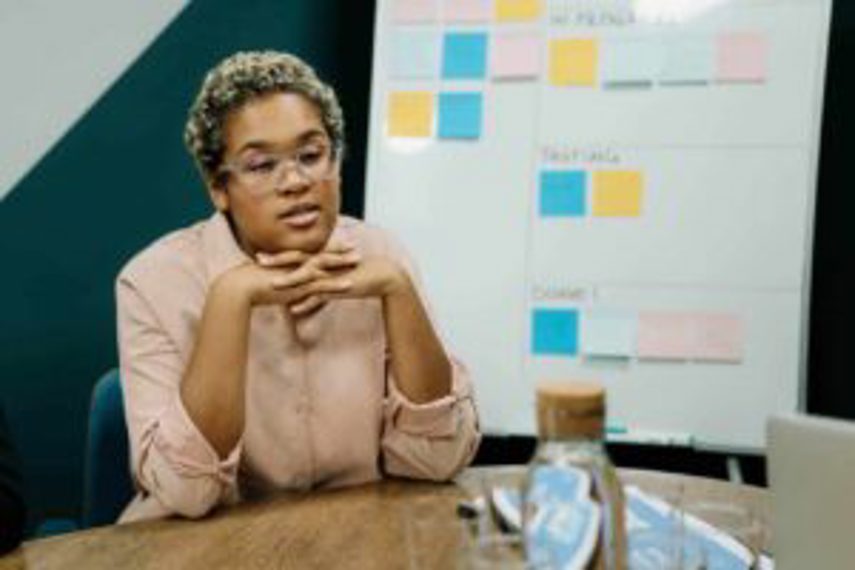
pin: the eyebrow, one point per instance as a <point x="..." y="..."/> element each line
<point x="303" y="138"/>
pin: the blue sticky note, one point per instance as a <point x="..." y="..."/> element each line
<point x="464" y="55"/>
<point x="555" y="332"/>
<point x="415" y="54"/>
<point x="562" y="192"/>
<point x="460" y="115"/>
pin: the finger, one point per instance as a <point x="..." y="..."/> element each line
<point x="339" y="246"/>
<point x="334" y="287"/>
<point x="299" y="277"/>
<point x="309" y="313"/>
<point x="308" y="305"/>
<point x="327" y="287"/>
<point x="311" y="296"/>
<point x="288" y="258"/>
<point x="337" y="260"/>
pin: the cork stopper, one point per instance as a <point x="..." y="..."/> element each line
<point x="570" y="410"/>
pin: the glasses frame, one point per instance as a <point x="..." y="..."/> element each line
<point x="286" y="161"/>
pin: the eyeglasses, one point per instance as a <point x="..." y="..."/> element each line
<point x="263" y="172"/>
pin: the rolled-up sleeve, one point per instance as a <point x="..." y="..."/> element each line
<point x="437" y="439"/>
<point x="173" y="464"/>
<point x="434" y="440"/>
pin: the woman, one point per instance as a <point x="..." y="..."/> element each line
<point x="277" y="344"/>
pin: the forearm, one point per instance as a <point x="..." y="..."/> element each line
<point x="212" y="389"/>
<point x="420" y="366"/>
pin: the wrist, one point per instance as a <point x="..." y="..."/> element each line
<point x="398" y="283"/>
<point x="232" y="287"/>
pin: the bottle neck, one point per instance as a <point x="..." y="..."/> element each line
<point x="588" y="437"/>
<point x="556" y="424"/>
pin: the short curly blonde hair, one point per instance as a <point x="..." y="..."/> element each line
<point x="242" y="77"/>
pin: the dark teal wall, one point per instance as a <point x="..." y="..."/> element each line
<point x="116" y="181"/>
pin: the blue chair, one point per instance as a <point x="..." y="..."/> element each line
<point x="107" y="486"/>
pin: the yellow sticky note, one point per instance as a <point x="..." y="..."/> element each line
<point x="517" y="10"/>
<point x="617" y="193"/>
<point x="410" y="113"/>
<point x="573" y="62"/>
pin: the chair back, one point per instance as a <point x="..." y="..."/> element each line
<point x="107" y="474"/>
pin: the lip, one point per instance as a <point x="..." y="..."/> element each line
<point x="300" y="216"/>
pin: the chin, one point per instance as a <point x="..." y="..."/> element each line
<point x="310" y="242"/>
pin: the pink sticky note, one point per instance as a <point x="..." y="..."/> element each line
<point x="414" y="11"/>
<point x="665" y="336"/>
<point x="468" y="11"/>
<point x="741" y="56"/>
<point x="515" y="55"/>
<point x="718" y="337"/>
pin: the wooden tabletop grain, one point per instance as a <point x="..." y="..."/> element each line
<point x="359" y="527"/>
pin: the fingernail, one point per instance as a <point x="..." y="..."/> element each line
<point x="262" y="258"/>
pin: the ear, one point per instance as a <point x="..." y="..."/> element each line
<point x="219" y="196"/>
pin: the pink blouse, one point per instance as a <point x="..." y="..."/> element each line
<point x="321" y="408"/>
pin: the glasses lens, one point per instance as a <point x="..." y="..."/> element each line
<point x="314" y="162"/>
<point x="256" y="170"/>
<point x="263" y="172"/>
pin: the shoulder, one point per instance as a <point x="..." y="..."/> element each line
<point x="174" y="260"/>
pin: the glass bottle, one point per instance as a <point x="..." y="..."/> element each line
<point x="573" y="505"/>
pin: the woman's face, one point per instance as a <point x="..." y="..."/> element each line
<point x="272" y="190"/>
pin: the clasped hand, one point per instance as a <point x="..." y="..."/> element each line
<point x="305" y="282"/>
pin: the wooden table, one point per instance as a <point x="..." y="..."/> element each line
<point x="360" y="527"/>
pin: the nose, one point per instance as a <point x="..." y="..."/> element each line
<point x="289" y="178"/>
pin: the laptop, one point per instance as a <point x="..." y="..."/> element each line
<point x="811" y="463"/>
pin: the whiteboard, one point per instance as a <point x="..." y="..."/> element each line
<point x="615" y="191"/>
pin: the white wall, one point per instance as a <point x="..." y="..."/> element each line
<point x="57" y="58"/>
